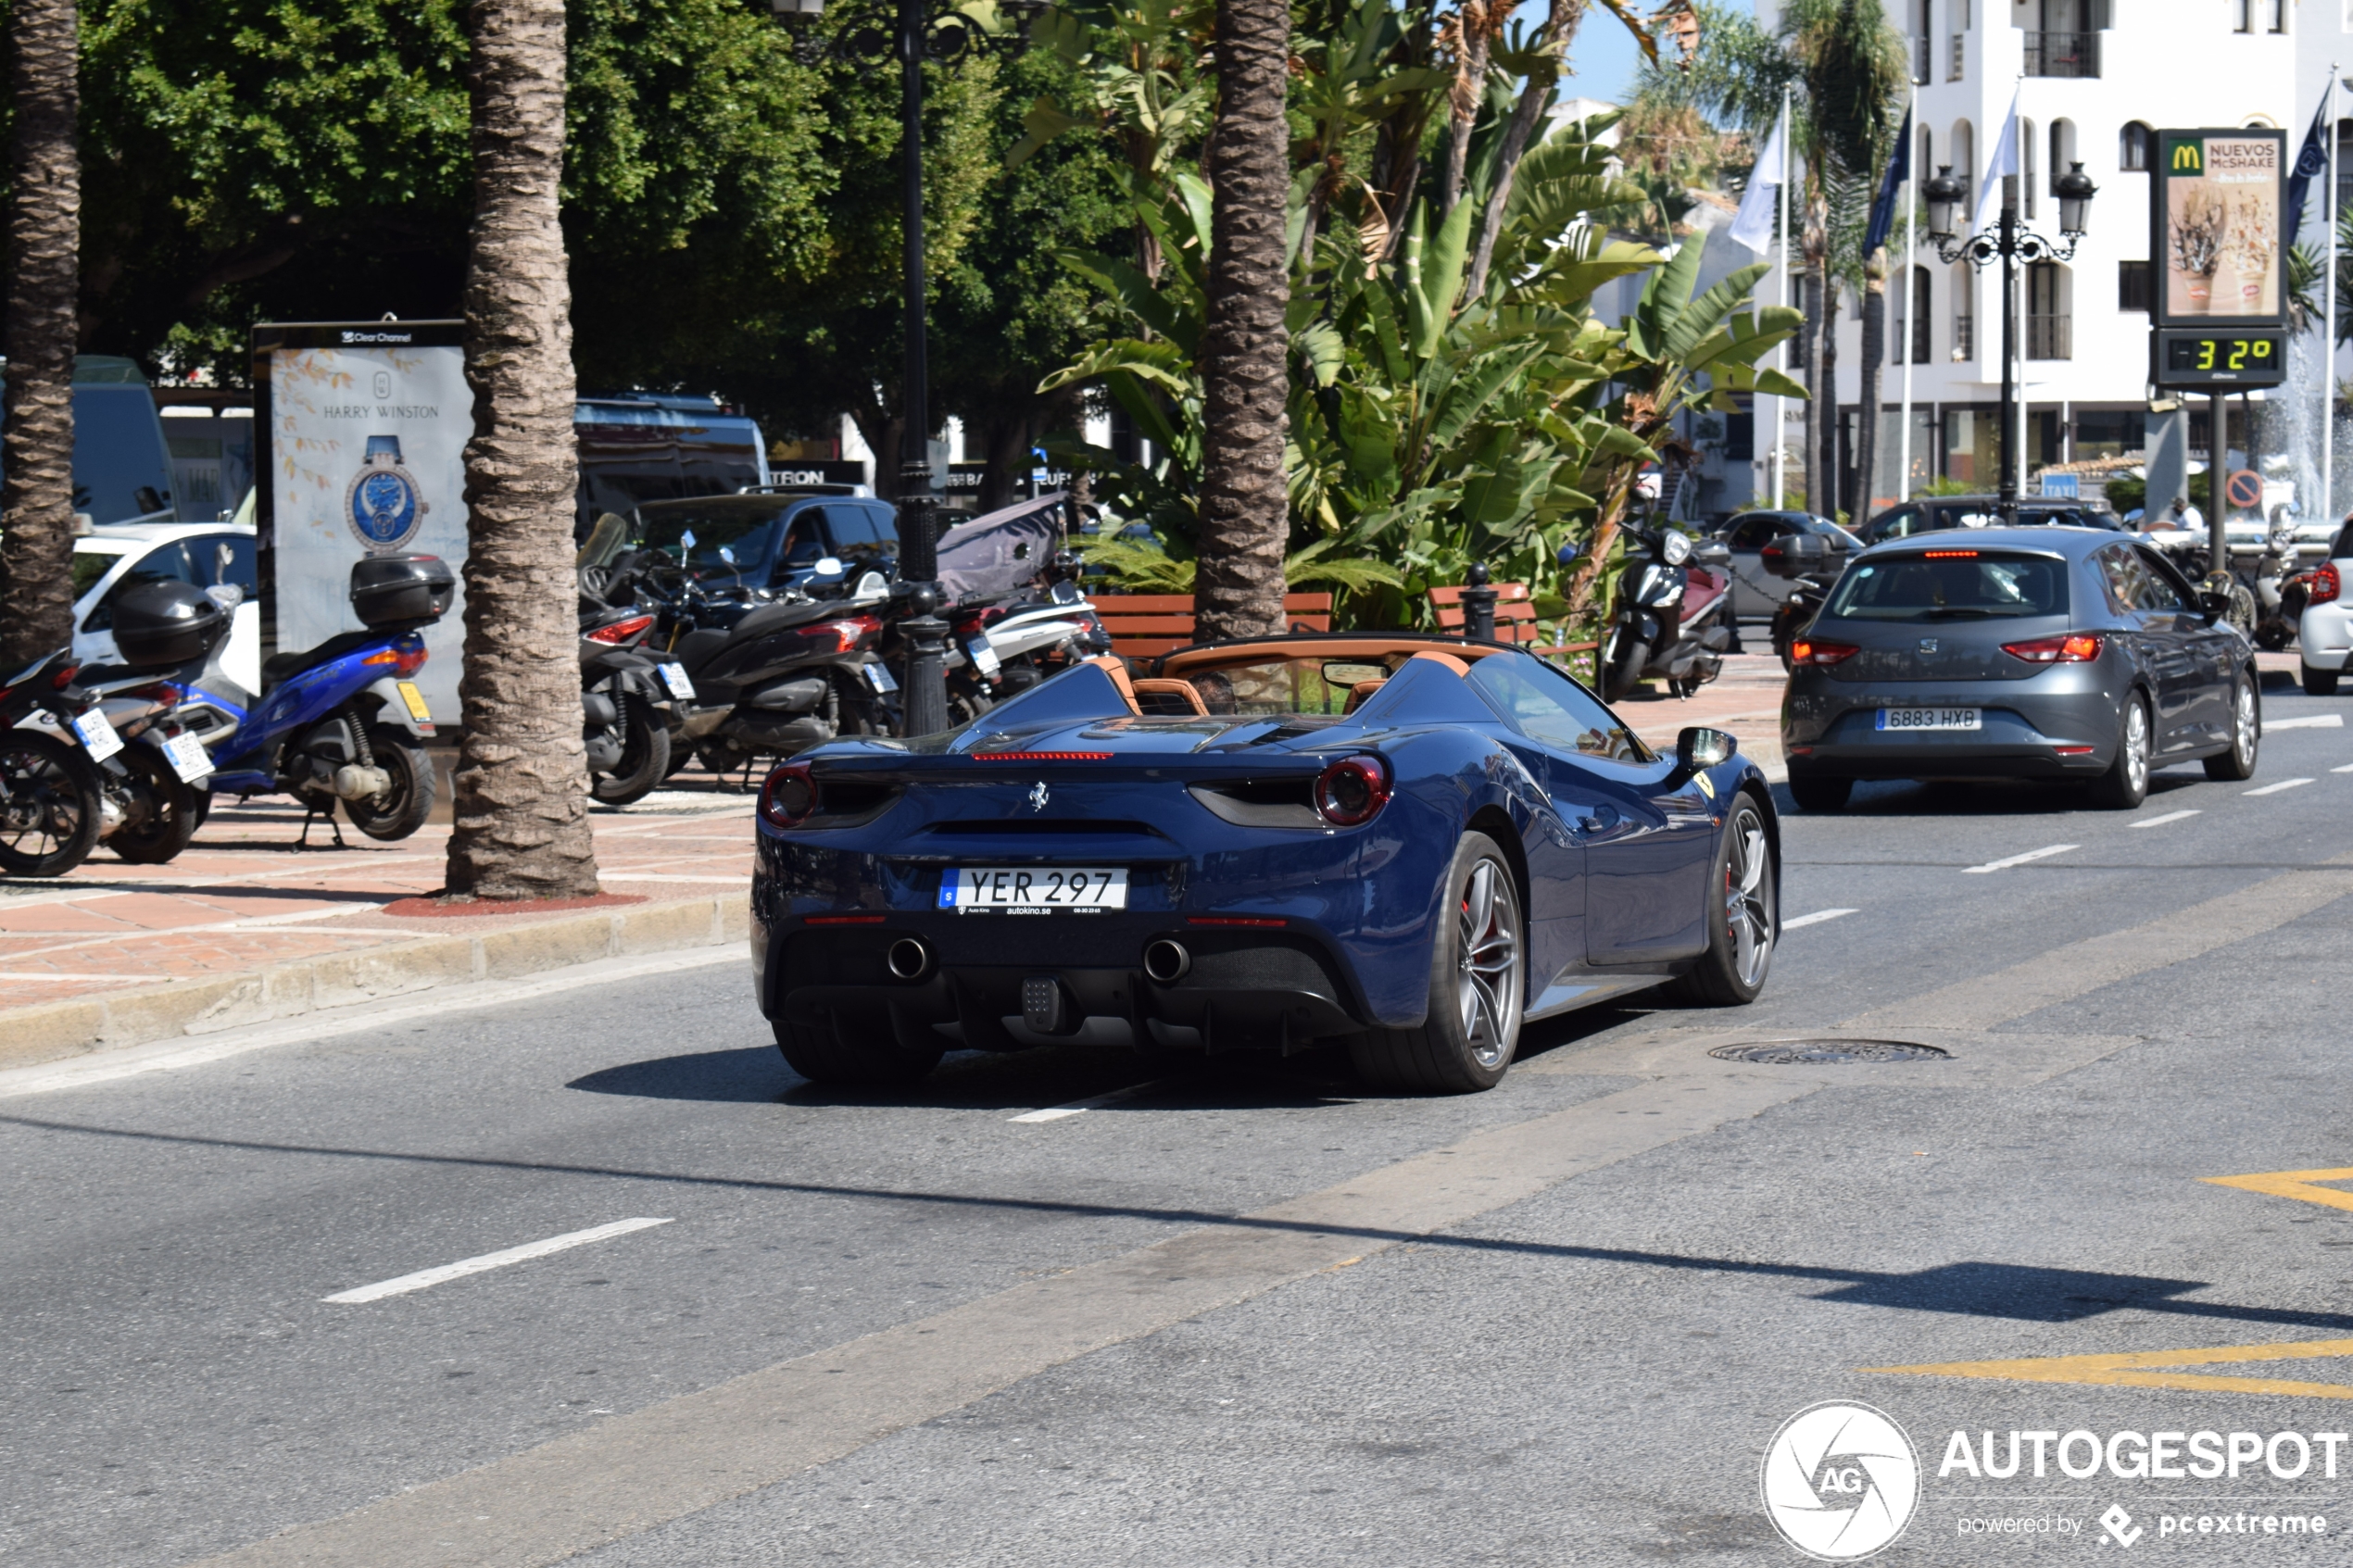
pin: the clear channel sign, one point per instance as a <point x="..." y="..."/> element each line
<point x="2218" y="243"/>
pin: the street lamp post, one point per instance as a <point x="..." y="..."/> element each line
<point x="924" y="31"/>
<point x="2010" y="244"/>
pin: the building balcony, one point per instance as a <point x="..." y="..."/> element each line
<point x="2050" y="337"/>
<point x="2063" y="54"/>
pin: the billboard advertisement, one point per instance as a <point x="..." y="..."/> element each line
<point x="2219" y="214"/>
<point x="364" y="426"/>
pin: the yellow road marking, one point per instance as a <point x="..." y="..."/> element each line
<point x="2137" y="1369"/>
<point x="2293" y="1184"/>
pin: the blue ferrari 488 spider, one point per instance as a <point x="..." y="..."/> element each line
<point x="1408" y="844"/>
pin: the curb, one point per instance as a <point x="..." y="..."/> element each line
<point x="58" y="1031"/>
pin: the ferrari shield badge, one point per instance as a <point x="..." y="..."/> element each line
<point x="384" y="505"/>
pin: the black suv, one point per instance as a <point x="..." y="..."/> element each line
<point x="1930" y="513"/>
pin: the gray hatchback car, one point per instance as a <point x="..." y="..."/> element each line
<point x="2038" y="653"/>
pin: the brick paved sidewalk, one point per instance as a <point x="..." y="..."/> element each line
<point x="244" y="899"/>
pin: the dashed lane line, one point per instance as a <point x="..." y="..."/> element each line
<point x="1056" y="1112"/>
<point x="2008" y="860"/>
<point x="424" y="1279"/>
<point x="2274" y="789"/>
<point x="2160" y="821"/>
<point x="1817" y="918"/>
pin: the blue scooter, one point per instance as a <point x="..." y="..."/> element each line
<point x="340" y="722"/>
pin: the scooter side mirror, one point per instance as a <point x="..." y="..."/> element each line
<point x="1715" y="552"/>
<point x="828" y="566"/>
<point x="1698" y="748"/>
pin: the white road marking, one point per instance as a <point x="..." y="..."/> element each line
<point x="1056" y="1112"/>
<point x="2346" y="769"/>
<point x="2008" y="861"/>
<point x="2160" y="821"/>
<point x="2274" y="789"/>
<point x="165" y="1055"/>
<point x="2307" y="721"/>
<point x="1817" y="918"/>
<point x="424" y="1278"/>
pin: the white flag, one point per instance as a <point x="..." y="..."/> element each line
<point x="1753" y="226"/>
<point x="1989" y="194"/>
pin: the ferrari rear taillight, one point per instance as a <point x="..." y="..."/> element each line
<point x="2076" y="647"/>
<point x="1352" y="791"/>
<point x="789" y="798"/>
<point x="620" y="631"/>
<point x="2326" y="584"/>
<point x="1815" y="651"/>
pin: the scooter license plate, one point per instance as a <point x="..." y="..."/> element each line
<point x="416" y="701"/>
<point x="879" y="677"/>
<point x="674" y="677"/>
<point x="97" y="735"/>
<point x="983" y="657"/>
<point x="188" y="758"/>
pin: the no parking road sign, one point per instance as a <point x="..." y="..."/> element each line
<point x="2245" y="489"/>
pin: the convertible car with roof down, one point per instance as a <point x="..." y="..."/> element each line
<point x="1412" y="845"/>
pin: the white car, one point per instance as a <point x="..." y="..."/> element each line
<point x="2326" y="632"/>
<point x="110" y="559"/>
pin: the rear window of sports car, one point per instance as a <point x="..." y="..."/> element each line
<point x="1952" y="584"/>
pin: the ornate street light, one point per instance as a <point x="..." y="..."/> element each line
<point x="2007" y="241"/>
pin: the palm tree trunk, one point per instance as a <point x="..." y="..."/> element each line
<point x="1474" y="27"/>
<point x="44" y="237"/>
<point x="521" y="809"/>
<point x="1560" y="29"/>
<point x="1245" y="512"/>
<point x="1867" y="420"/>
<point x="1832" y="491"/>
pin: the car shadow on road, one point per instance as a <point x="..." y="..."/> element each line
<point x="1977" y="797"/>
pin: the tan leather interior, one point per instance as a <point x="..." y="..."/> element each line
<point x="1368" y="647"/>
<point x="1183" y="691"/>
<point x="1117" y="670"/>
<point x="1360" y="694"/>
<point x="1447" y="659"/>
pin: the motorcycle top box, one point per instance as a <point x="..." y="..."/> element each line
<point x="161" y="624"/>
<point x="401" y="592"/>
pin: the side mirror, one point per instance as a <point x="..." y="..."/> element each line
<point x="1697" y="748"/>
<point x="828" y="566"/>
<point x="2213" y="606"/>
<point x="1715" y="552"/>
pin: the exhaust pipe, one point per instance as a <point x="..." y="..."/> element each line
<point x="909" y="958"/>
<point x="1167" y="962"/>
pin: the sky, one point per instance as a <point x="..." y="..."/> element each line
<point x="1604" y="60"/>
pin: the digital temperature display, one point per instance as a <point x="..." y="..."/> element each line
<point x="2190" y="358"/>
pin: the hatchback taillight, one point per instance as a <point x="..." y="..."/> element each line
<point x="1815" y="651"/>
<point x="2076" y="647"/>
<point x="2326" y="584"/>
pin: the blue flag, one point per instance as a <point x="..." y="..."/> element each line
<point x="1899" y="170"/>
<point x="2311" y="163"/>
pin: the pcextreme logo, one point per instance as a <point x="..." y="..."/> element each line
<point x="1840" y="1481"/>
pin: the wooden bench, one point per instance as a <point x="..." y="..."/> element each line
<point x="1515" y="612"/>
<point x="1147" y="625"/>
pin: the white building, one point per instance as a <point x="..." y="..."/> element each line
<point x="2091" y="77"/>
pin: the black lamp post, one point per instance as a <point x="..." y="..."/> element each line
<point x="925" y="29"/>
<point x="2007" y="241"/>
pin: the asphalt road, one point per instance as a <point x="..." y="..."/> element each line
<point x="1252" y="1315"/>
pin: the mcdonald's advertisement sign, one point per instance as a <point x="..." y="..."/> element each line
<point x="2217" y="213"/>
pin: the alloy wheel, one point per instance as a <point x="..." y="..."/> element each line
<point x="1487" y="985"/>
<point x="2243" y="726"/>
<point x="1748" y="899"/>
<point x="2136" y="745"/>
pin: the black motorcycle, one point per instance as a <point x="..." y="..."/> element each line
<point x="1810" y="564"/>
<point x="51" y="805"/>
<point x="1674" y="616"/>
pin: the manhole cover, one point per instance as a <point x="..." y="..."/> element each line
<point x="1800" y="1053"/>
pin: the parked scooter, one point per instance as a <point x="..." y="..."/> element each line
<point x="769" y="675"/>
<point x="1001" y="651"/>
<point x="1673" y="619"/>
<point x="627" y="696"/>
<point x="51" y="805"/>
<point x="1809" y="564"/>
<point x="339" y="723"/>
<point x="2266" y="573"/>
